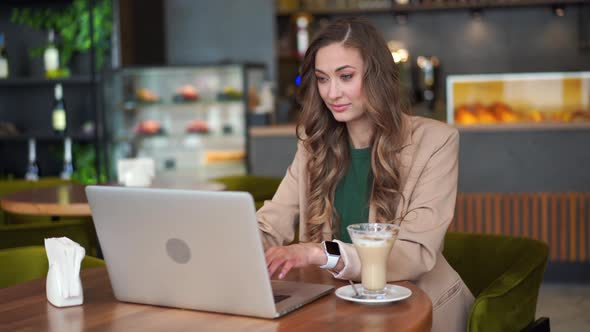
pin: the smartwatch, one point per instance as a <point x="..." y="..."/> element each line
<point x="332" y="251"/>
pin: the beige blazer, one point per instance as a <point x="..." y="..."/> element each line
<point x="428" y="169"/>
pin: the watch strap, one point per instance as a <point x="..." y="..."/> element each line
<point x="332" y="261"/>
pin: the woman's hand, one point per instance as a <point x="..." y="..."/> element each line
<point x="296" y="255"/>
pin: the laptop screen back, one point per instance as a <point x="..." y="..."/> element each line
<point x="180" y="248"/>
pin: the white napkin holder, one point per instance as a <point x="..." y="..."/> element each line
<point x="63" y="286"/>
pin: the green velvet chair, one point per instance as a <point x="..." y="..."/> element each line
<point x="504" y="273"/>
<point x="26" y="263"/>
<point x="18" y="235"/>
<point x="260" y="187"/>
<point x="11" y="186"/>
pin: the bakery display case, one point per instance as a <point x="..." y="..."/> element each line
<point x="192" y="121"/>
<point x="524" y="98"/>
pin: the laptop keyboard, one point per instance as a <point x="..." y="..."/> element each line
<point x="279" y="298"/>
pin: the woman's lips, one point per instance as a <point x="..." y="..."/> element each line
<point x="339" y="108"/>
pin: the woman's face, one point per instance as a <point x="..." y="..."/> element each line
<point x="339" y="73"/>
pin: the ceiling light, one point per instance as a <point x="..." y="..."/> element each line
<point x="559" y="10"/>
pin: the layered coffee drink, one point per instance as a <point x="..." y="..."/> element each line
<point x="373" y="254"/>
<point x="373" y="243"/>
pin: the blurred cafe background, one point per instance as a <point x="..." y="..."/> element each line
<point x="206" y="89"/>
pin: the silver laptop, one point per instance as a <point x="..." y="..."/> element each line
<point x="197" y="250"/>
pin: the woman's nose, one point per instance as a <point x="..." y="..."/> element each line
<point x="334" y="91"/>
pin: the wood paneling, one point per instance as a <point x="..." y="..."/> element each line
<point x="559" y="219"/>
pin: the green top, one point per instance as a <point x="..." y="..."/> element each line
<point x="353" y="192"/>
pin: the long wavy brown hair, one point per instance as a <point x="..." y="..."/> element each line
<point x="326" y="140"/>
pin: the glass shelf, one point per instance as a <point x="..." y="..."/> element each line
<point x="135" y="106"/>
<point x="177" y="136"/>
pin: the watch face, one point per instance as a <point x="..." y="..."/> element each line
<point x="332" y="248"/>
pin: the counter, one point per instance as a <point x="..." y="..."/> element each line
<point x="551" y="157"/>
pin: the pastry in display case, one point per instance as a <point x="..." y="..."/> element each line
<point x="186" y="93"/>
<point x="192" y="121"/>
<point x="518" y="98"/>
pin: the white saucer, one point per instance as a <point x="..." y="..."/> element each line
<point x="393" y="293"/>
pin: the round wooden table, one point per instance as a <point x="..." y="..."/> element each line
<point x="59" y="201"/>
<point x="70" y="200"/>
<point x="25" y="307"/>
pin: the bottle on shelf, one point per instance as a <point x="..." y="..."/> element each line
<point x="59" y="122"/>
<point x="32" y="173"/>
<point x="68" y="168"/>
<point x="302" y="23"/>
<point x="51" y="57"/>
<point x="3" y="58"/>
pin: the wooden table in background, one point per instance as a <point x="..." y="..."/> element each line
<point x="24" y="307"/>
<point x="67" y="200"/>
<point x="70" y="200"/>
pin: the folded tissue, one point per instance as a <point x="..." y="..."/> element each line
<point x="64" y="287"/>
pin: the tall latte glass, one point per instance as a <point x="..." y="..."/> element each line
<point x="373" y="242"/>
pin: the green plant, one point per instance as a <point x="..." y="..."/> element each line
<point x="72" y="25"/>
<point x="84" y="159"/>
<point x="84" y="156"/>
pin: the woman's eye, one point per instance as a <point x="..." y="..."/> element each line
<point x="346" y="77"/>
<point x="321" y="79"/>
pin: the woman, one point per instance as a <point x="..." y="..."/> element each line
<point x="361" y="159"/>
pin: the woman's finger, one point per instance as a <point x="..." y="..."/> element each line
<point x="286" y="268"/>
<point x="274" y="265"/>
<point x="270" y="255"/>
